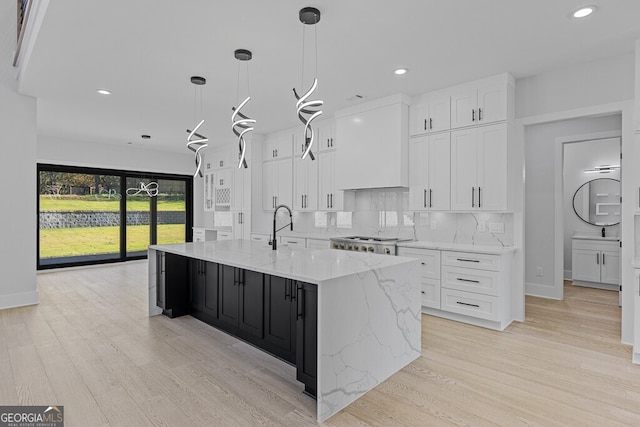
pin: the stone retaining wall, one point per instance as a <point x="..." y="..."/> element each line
<point x="73" y="219"/>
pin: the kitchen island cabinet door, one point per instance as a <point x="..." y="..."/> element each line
<point x="280" y="317"/>
<point x="307" y="336"/>
<point x="228" y="280"/>
<point x="204" y="291"/>
<point x="251" y="307"/>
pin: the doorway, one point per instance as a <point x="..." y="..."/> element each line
<point x="591" y="175"/>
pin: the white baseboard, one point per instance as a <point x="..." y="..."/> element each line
<point x="18" y="300"/>
<point x="542" y="291"/>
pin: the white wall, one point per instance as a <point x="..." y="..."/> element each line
<point x="583" y="85"/>
<point x="579" y="156"/>
<point x="17" y="176"/>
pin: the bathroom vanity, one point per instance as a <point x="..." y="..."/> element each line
<point x="596" y="262"/>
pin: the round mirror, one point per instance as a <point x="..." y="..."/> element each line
<point x="597" y="202"/>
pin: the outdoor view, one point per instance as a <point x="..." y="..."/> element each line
<point x="80" y="215"/>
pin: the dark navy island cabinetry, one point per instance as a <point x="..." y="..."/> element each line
<point x="345" y="320"/>
<point x="275" y="314"/>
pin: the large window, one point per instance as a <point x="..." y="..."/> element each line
<point x="91" y="216"/>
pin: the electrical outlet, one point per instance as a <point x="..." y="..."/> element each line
<point x="482" y="226"/>
<point x="496" y="227"/>
<point x="539" y="271"/>
<point x="434" y="225"/>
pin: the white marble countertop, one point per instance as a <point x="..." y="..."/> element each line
<point x="445" y="246"/>
<point x="308" y="265"/>
<point x="607" y="238"/>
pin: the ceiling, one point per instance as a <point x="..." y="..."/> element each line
<point x="145" y="51"/>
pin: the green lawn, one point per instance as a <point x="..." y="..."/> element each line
<point x="90" y="203"/>
<point x="63" y="242"/>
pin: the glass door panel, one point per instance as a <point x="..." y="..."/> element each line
<point x="79" y="217"/>
<point x="138" y="204"/>
<point x="171" y="211"/>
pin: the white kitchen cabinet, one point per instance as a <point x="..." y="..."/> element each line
<point x="430" y="172"/>
<point x="636" y="329"/>
<point x="277" y="177"/>
<point x="203" y="234"/>
<point x="482" y="104"/>
<point x="278" y="145"/>
<point x="479" y="168"/>
<point x="264" y="238"/>
<point x="305" y="184"/>
<point x="208" y="179"/>
<point x="596" y="263"/>
<point x="326" y="135"/>
<point x="430" y="115"/>
<point x="223" y="181"/>
<point x="330" y="198"/>
<point x="294" y="242"/>
<point x="429" y="274"/>
<point x="221" y="158"/>
<point x="241" y="228"/>
<point x="225" y="235"/>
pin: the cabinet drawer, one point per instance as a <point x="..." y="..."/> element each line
<point x="198" y="235"/>
<point x="471" y="260"/>
<point x="476" y="305"/>
<point x="317" y="244"/>
<point x="595" y="245"/>
<point x="429" y="261"/>
<point x="299" y="242"/>
<point x="225" y="235"/>
<point x="431" y="293"/>
<point x="471" y="280"/>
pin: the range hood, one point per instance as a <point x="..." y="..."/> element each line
<point x="374" y="144"/>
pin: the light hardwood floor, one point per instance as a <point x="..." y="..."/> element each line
<point x="90" y="346"/>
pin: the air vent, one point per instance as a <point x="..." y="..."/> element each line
<point x="355" y="97"/>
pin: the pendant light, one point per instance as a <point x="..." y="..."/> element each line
<point x="304" y="107"/>
<point x="151" y="189"/>
<point x="241" y="123"/>
<point x="201" y="142"/>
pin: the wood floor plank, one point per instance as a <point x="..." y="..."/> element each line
<point x="90" y="344"/>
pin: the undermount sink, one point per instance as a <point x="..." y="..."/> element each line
<point x="585" y="237"/>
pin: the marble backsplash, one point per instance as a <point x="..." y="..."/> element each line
<point x="386" y="213"/>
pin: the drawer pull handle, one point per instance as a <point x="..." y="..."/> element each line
<point x="423" y="292"/>
<point x="423" y="263"/>
<point x="467" y="280"/>
<point x="466" y="303"/>
<point x="468" y="260"/>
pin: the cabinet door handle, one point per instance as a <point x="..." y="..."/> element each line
<point x="423" y="292"/>
<point x="287" y="289"/>
<point x="204" y="268"/>
<point x="424" y="199"/>
<point x="332" y="200"/>
<point x="467" y="260"/>
<point x="466" y="303"/>
<point x="473" y="195"/>
<point x="479" y="114"/>
<point x="430" y="197"/>
<point x="300" y="296"/>
<point x="332" y="141"/>
<point x="603" y="258"/>
<point x="473" y="114"/>
<point x="430" y="123"/>
<point x="423" y="263"/>
<point x="327" y="200"/>
<point x="467" y="280"/>
<point x="479" y="198"/>
<point x="597" y="258"/>
<point x="425" y="124"/>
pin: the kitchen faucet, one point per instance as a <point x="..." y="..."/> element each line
<point x="274" y="244"/>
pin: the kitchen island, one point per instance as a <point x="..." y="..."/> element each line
<point x="355" y="316"/>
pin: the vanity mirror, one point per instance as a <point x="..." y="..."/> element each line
<point x="597" y="202"/>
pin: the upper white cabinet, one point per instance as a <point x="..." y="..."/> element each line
<point x="479" y="168"/>
<point x="278" y="145"/>
<point x="326" y="135"/>
<point x="277" y="179"/>
<point x="221" y="158"/>
<point x="223" y="181"/>
<point x="305" y="183"/>
<point x="330" y="198"/>
<point x="430" y="115"/>
<point x="374" y="144"/>
<point x="481" y="102"/>
<point x="429" y="172"/>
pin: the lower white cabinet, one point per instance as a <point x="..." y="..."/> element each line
<point x="264" y="238"/>
<point x="467" y="287"/>
<point x="429" y="273"/>
<point x="225" y="235"/>
<point x="596" y="263"/>
<point x="294" y="242"/>
<point x="317" y="244"/>
<point x="203" y="234"/>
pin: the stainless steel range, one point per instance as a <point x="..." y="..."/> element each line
<point x="376" y="245"/>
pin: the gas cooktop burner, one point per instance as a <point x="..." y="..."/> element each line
<point x="379" y="245"/>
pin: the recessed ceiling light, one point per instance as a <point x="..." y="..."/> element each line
<point x="400" y="71"/>
<point x="584" y="12"/>
<point x="103" y="92"/>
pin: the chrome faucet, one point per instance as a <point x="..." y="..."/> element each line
<point x="274" y="244"/>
